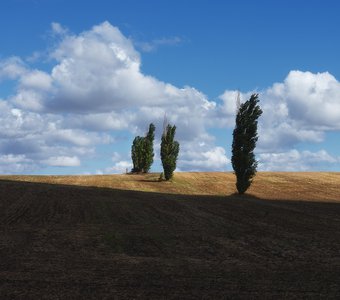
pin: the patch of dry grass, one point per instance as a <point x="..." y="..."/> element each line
<point x="310" y="186"/>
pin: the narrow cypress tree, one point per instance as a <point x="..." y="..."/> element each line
<point x="244" y="142"/>
<point x="169" y="151"/>
<point x="148" y="149"/>
<point x="142" y="151"/>
<point x="136" y="154"/>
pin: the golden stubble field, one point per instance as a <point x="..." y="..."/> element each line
<point x="310" y="186"/>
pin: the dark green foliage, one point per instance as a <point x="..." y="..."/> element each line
<point x="142" y="151"/>
<point x="148" y="149"/>
<point x="169" y="151"/>
<point x="244" y="142"/>
<point x="137" y="153"/>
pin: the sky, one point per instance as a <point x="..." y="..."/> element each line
<point x="80" y="79"/>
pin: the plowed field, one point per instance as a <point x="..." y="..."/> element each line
<point x="132" y="237"/>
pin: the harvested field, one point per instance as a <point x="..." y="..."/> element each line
<point x="132" y="237"/>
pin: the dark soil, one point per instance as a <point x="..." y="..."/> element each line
<point x="72" y="242"/>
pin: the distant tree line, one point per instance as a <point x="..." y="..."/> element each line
<point x="244" y="142"/>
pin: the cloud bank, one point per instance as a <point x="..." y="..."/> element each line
<point x="95" y="89"/>
<point x="301" y="109"/>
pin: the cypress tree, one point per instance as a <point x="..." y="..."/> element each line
<point x="142" y="151"/>
<point x="136" y="154"/>
<point x="169" y="151"/>
<point x="244" y="142"/>
<point x="148" y="153"/>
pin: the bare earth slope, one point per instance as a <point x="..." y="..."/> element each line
<point x="132" y="237"/>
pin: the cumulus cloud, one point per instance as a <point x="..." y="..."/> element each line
<point x="294" y="160"/>
<point x="118" y="168"/>
<point x="96" y="88"/>
<point x="58" y="29"/>
<point x="313" y="99"/>
<point x="202" y="159"/>
<point x="122" y="166"/>
<point x="63" y="161"/>
<point x="226" y="112"/>
<point x="36" y="80"/>
<point x="97" y="78"/>
<point x="300" y="109"/>
<point x="156" y="43"/>
<point x="36" y="140"/>
<point x="11" y="163"/>
<point x="102" y="121"/>
<point x="12" y="68"/>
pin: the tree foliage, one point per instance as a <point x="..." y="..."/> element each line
<point x="169" y="151"/>
<point x="148" y="149"/>
<point x="142" y="151"/>
<point x="244" y="142"/>
<point x="136" y="154"/>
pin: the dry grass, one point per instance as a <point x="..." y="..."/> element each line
<point x="309" y="186"/>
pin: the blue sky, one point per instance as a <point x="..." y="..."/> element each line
<point x="79" y="79"/>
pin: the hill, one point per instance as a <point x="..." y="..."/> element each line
<point x="132" y="237"/>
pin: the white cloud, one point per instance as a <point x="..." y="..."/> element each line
<point x="96" y="88"/>
<point x="12" y="68"/>
<point x="16" y="123"/>
<point x="102" y="121"/>
<point x="28" y="99"/>
<point x="97" y="77"/>
<point x="200" y="159"/>
<point x="300" y="109"/>
<point x="313" y="99"/>
<point x="96" y="84"/>
<point x="11" y="163"/>
<point x="53" y="135"/>
<point x="226" y="112"/>
<point x="37" y="80"/>
<point x="116" y="157"/>
<point x="295" y="160"/>
<point x="118" y="168"/>
<point x="32" y="139"/>
<point x="155" y="44"/>
<point x="63" y="161"/>
<point x="10" y="159"/>
<point x="122" y="166"/>
<point x="58" y="29"/>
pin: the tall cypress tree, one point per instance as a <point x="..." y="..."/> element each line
<point x="148" y="153"/>
<point x="136" y="154"/>
<point x="169" y="151"/>
<point x="244" y="142"/>
<point x="142" y="151"/>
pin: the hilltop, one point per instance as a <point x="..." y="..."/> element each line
<point x="130" y="236"/>
<point x="308" y="186"/>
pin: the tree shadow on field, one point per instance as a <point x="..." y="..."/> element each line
<point x="90" y="242"/>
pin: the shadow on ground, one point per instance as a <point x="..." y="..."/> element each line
<point x="59" y="242"/>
